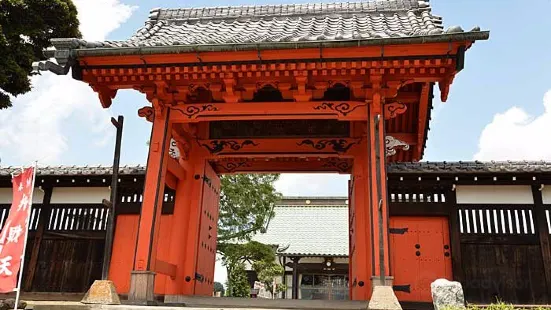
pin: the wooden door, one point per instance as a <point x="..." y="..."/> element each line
<point x="420" y="253"/>
<point x="206" y="252"/>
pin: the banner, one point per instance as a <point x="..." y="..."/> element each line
<point x="14" y="234"/>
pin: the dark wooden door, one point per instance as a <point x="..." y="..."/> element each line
<point x="206" y="254"/>
<point x="419" y="254"/>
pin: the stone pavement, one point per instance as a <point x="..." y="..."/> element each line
<point x="212" y="304"/>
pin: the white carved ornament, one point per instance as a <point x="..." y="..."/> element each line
<point x="174" y="151"/>
<point x="392" y="143"/>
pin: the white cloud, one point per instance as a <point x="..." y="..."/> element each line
<point x="39" y="124"/>
<point x="516" y="135"/>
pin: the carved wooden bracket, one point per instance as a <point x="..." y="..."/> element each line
<point x="393" y="109"/>
<point x="147" y="112"/>
<point x="302" y="94"/>
<point x="230" y="95"/>
<point x="391" y="144"/>
<point x="444" y="86"/>
<point x="105" y="94"/>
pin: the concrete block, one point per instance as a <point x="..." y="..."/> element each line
<point x="102" y="292"/>
<point x="383" y="298"/>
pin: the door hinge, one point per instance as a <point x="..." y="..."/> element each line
<point x="402" y="288"/>
<point x="398" y="231"/>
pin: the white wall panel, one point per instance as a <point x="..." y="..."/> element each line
<point x="6" y="195"/>
<point x="546" y="193"/>
<point x="92" y="195"/>
<point x="502" y="194"/>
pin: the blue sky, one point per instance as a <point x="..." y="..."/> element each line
<point x="495" y="109"/>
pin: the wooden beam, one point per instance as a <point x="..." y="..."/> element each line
<point x="418" y="209"/>
<point x="342" y="110"/>
<point x="543" y="234"/>
<point x="422" y="121"/>
<point x="39" y="235"/>
<point x="360" y="54"/>
<point x="171" y="181"/>
<point x="267" y="148"/>
<point x="295" y="165"/>
<point x="165" y="268"/>
<point x="175" y="169"/>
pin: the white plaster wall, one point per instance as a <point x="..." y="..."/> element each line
<point x="92" y="195"/>
<point x="6" y="195"/>
<point x="546" y="193"/>
<point x="504" y="194"/>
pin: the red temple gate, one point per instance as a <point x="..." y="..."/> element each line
<point x="260" y="98"/>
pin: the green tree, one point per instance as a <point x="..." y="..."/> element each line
<point x="218" y="287"/>
<point x="238" y="284"/>
<point x="26" y="28"/>
<point x="267" y="271"/>
<point x="246" y="206"/>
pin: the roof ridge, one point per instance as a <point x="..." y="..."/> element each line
<point x="226" y="12"/>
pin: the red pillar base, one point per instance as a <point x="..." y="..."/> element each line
<point x="142" y="288"/>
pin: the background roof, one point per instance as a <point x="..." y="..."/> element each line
<point x="310" y="230"/>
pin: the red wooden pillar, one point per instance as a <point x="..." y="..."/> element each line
<point x="143" y="275"/>
<point x="360" y="230"/>
<point x="378" y="186"/>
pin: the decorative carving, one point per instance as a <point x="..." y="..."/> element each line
<point x="338" y="145"/>
<point x="147" y="112"/>
<point x="218" y="146"/>
<point x="231" y="166"/>
<point x="392" y="143"/>
<point x="393" y="109"/>
<point x="192" y="110"/>
<point x="444" y="86"/>
<point x="105" y="94"/>
<point x="184" y="148"/>
<point x="278" y="128"/>
<point x="174" y="150"/>
<point x="344" y="108"/>
<point x="343" y="166"/>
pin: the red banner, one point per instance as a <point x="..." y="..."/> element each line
<point x="13" y="235"/>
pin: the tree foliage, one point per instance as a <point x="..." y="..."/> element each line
<point x="218" y="287"/>
<point x="238" y="284"/>
<point x="260" y="256"/>
<point x="26" y="28"/>
<point x="246" y="205"/>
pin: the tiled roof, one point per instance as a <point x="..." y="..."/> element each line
<point x="77" y="170"/>
<point x="394" y="168"/>
<point x="308" y="230"/>
<point x="348" y="21"/>
<point x="471" y="167"/>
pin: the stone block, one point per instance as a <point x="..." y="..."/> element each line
<point x="447" y="294"/>
<point x="383" y="298"/>
<point x="102" y="292"/>
<point x="9" y="304"/>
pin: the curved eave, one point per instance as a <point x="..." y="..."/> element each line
<point x="175" y="49"/>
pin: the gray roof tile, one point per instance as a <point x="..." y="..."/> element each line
<point x="308" y="230"/>
<point x="394" y="168"/>
<point x="364" y="20"/>
<point x="471" y="167"/>
<point x="78" y="170"/>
